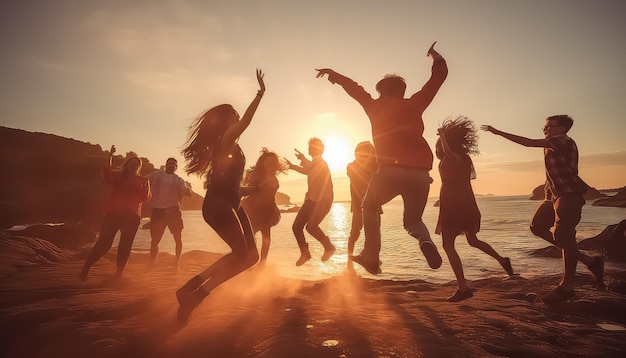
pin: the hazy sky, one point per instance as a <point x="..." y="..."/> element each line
<point x="136" y="73"/>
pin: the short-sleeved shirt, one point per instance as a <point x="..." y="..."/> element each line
<point x="167" y="189"/>
<point x="561" y="162"/>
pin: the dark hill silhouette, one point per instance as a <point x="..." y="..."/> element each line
<point x="49" y="178"/>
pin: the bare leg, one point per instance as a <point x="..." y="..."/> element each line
<point x="454" y="259"/>
<point x="178" y="239"/>
<point x="543" y="220"/>
<point x="355" y="230"/>
<point x="265" y="244"/>
<point x="473" y="240"/>
<point x="156" y="234"/>
<point x="320" y="211"/>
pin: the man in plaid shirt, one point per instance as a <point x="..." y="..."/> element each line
<point x="562" y="207"/>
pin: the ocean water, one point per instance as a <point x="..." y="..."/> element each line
<point x="504" y="226"/>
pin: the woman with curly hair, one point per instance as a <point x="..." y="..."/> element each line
<point x="260" y="187"/>
<point x="458" y="211"/>
<point x="212" y="151"/>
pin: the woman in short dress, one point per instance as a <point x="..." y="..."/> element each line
<point x="458" y="211"/>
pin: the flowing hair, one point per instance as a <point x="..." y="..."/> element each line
<point x="283" y="167"/>
<point x="461" y="135"/>
<point x="204" y="136"/>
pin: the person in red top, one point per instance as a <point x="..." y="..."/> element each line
<point x="404" y="156"/>
<point x="122" y="211"/>
<point x="562" y="207"/>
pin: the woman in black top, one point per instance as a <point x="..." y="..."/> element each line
<point x="212" y="150"/>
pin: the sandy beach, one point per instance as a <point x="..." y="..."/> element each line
<point x="46" y="311"/>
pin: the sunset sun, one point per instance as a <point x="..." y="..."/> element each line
<point x="337" y="152"/>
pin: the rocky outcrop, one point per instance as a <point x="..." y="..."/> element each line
<point x="283" y="199"/>
<point x="19" y="252"/>
<point x="611" y="243"/>
<point x="64" y="236"/>
<point x="540" y="194"/>
<point x="618" y="200"/>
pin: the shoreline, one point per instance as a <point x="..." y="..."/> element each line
<point x="47" y="311"/>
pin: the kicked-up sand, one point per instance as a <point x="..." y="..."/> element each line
<point x="46" y="311"/>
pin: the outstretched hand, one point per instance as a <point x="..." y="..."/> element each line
<point x="299" y="155"/>
<point x="259" y="78"/>
<point x="432" y="52"/>
<point x="112" y="150"/>
<point x="488" y="128"/>
<point x="324" y="71"/>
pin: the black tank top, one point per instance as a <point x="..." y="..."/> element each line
<point x="227" y="170"/>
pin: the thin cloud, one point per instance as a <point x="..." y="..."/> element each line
<point x="617" y="158"/>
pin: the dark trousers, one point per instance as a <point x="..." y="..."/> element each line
<point x="310" y="216"/>
<point x="413" y="184"/>
<point x="127" y="223"/>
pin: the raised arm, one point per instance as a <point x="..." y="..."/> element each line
<point x="109" y="162"/>
<point x="238" y="128"/>
<point x="106" y="171"/>
<point x="446" y="147"/>
<point x="297" y="168"/>
<point x="352" y="88"/>
<point x="526" y="142"/>
<point x="439" y="73"/>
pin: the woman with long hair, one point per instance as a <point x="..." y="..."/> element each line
<point x="212" y="151"/>
<point x="122" y="211"/>
<point x="260" y="187"/>
<point x="458" y="211"/>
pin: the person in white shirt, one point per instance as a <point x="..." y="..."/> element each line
<point x="168" y="191"/>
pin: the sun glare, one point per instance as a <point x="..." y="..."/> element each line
<point x="337" y="152"/>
